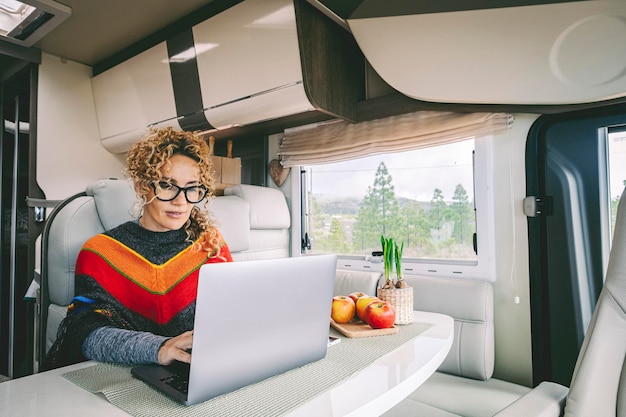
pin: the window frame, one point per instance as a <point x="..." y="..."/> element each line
<point x="482" y="268"/>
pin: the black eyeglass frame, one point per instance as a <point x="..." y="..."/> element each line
<point x="183" y="189"/>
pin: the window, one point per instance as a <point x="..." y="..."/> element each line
<point x="617" y="169"/>
<point x="425" y="198"/>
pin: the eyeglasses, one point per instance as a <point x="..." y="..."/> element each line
<point x="166" y="191"/>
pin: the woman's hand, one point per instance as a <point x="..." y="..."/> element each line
<point x="175" y="349"/>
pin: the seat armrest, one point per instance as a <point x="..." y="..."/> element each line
<point x="546" y="400"/>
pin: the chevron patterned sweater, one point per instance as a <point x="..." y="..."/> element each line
<point x="134" y="289"/>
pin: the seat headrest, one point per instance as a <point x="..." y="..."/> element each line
<point x="268" y="206"/>
<point x="232" y="215"/>
<point x="114" y="201"/>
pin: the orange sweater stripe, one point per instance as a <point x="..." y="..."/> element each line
<point x="157" y="292"/>
<point x="158" y="279"/>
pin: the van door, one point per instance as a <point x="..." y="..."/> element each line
<point x="569" y="234"/>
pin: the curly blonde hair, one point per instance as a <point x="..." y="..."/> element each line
<point x="145" y="160"/>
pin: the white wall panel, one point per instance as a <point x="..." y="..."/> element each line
<point x="69" y="152"/>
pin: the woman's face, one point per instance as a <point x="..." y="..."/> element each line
<point x="163" y="216"/>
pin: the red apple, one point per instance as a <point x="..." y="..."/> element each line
<point x="362" y="304"/>
<point x="380" y="315"/>
<point x="342" y="309"/>
<point x="355" y="296"/>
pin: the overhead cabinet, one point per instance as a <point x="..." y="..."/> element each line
<point x="256" y="61"/>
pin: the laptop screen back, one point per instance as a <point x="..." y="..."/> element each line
<point x="257" y="319"/>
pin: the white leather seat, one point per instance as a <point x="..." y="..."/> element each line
<point x="463" y="385"/>
<point x="104" y="204"/>
<point x="348" y="281"/>
<point x="269" y="222"/>
<point x="254" y="221"/>
<point x="598" y="386"/>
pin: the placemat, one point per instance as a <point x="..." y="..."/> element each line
<point x="274" y="396"/>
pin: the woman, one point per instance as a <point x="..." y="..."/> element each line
<point x="135" y="284"/>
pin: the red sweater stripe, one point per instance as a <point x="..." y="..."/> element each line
<point x="159" y="308"/>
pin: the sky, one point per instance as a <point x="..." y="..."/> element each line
<point x="414" y="175"/>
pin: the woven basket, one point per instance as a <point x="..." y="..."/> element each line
<point x="402" y="301"/>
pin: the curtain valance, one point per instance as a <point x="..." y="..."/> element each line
<point x="339" y="140"/>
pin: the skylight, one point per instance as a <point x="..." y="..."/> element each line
<point x="12" y="15"/>
<point x="26" y="22"/>
<point x="12" y="6"/>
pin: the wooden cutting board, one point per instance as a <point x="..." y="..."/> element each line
<point x="356" y="329"/>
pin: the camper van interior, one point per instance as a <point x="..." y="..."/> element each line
<point x="488" y="137"/>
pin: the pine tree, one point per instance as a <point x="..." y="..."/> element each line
<point x="379" y="213"/>
<point x="438" y="217"/>
<point x="462" y="215"/>
<point x="415" y="231"/>
<point x="316" y="220"/>
<point x="337" y="238"/>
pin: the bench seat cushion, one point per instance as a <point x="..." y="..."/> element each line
<point x="444" y="395"/>
<point x="470" y="303"/>
<point x="348" y="281"/>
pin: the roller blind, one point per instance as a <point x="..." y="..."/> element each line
<point x="339" y="140"/>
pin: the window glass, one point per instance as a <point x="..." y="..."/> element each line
<point x="617" y="170"/>
<point x="424" y="198"/>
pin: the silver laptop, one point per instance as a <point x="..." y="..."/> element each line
<point x="254" y="320"/>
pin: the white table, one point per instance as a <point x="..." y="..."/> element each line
<point x="368" y="393"/>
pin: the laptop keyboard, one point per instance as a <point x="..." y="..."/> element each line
<point x="178" y="382"/>
<point x="179" y="379"/>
